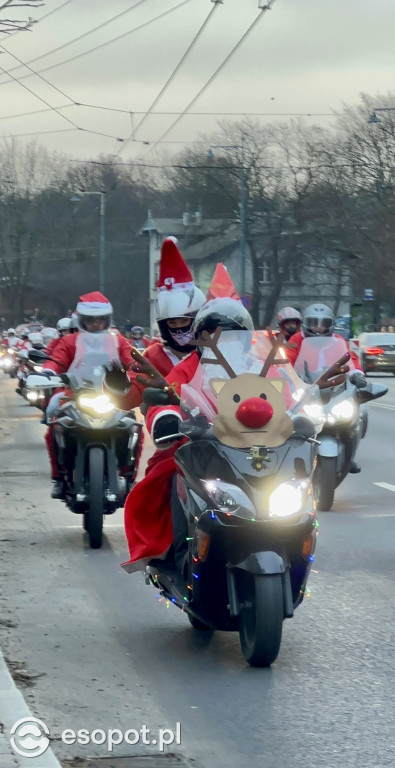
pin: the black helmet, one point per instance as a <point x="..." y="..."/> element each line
<point x="318" y="316"/>
<point x="229" y="314"/>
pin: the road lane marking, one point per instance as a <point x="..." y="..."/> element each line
<point x="381" y="514"/>
<point x="381" y="405"/>
<point x="387" y="486"/>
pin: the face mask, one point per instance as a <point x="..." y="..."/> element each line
<point x="182" y="336"/>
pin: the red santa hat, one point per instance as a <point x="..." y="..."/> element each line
<point x="173" y="271"/>
<point x="222" y="286"/>
<point x="94" y="305"/>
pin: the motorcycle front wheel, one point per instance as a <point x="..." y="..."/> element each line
<point x="94" y="518"/>
<point x="325" y="482"/>
<point x="261" y="617"/>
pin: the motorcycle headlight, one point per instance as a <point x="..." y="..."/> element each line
<point x="343" y="411"/>
<point x="7" y="362"/>
<point x="32" y="397"/>
<point x="288" y="499"/>
<point x="100" y="404"/>
<point x="229" y="498"/>
<point x="314" y="411"/>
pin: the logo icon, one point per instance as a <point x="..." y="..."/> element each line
<point x="29" y="737"/>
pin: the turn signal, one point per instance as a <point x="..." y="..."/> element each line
<point x="203" y="545"/>
<point x="308" y="545"/>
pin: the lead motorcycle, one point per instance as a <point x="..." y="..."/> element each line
<point x="244" y="479"/>
<point x="341" y="412"/>
<point x="97" y="444"/>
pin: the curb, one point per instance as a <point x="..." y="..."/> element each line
<point x="13" y="707"/>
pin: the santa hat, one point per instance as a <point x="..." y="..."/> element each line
<point x="94" y="304"/>
<point x="222" y="286"/>
<point x="173" y="271"/>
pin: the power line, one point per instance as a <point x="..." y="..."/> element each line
<point x="190" y="114"/>
<point x="108" y="42"/>
<point x="217" y="71"/>
<point x="173" y="74"/>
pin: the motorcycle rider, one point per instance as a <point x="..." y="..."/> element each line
<point x="137" y="337"/>
<point x="11" y="338"/>
<point x="94" y="315"/>
<point x="178" y="301"/>
<point x="154" y="517"/>
<point x="34" y="341"/>
<point x="289" y="321"/>
<point x="318" y="320"/>
<point x="63" y="328"/>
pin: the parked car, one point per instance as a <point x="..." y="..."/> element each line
<point x="377" y="352"/>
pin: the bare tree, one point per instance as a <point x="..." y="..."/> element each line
<point x="17" y="25"/>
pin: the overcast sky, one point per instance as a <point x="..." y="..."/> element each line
<point x="303" y="56"/>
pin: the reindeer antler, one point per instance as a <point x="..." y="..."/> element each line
<point x="205" y="340"/>
<point x="271" y="358"/>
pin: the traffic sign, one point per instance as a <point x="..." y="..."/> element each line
<point x="369" y="294"/>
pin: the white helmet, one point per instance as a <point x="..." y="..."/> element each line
<point x="11" y="332"/>
<point x="63" y="325"/>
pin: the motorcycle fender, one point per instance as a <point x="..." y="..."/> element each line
<point x="328" y="446"/>
<point x="263" y="563"/>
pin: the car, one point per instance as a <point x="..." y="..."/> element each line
<point x="377" y="352"/>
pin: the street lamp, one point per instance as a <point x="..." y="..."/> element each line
<point x="242" y="206"/>
<point x="102" y="251"/>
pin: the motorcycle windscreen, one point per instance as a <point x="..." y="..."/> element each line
<point x="317" y="354"/>
<point x="246" y="390"/>
<point x="92" y="351"/>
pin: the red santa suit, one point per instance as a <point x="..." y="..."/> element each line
<point x="148" y="526"/>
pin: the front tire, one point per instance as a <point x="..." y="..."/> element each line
<point x="325" y="482"/>
<point x="261" y="617"/>
<point x="197" y="624"/>
<point x="94" y="518"/>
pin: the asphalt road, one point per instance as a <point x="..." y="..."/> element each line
<point x="109" y="655"/>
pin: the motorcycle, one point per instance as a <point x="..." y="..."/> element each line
<point x="341" y="412"/>
<point x="244" y="480"/>
<point x="10" y="362"/>
<point x="34" y="396"/>
<point x="94" y="439"/>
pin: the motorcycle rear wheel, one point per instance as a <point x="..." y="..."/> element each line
<point x="325" y="482"/>
<point x="261" y="618"/>
<point x="95" y="515"/>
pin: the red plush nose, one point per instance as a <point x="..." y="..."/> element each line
<point x="254" y="412"/>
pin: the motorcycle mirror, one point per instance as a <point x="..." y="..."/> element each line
<point x="38" y="355"/>
<point x="303" y="427"/>
<point x="371" y="392"/>
<point x="155" y="396"/>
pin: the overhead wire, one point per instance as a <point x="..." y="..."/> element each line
<point x="107" y="42"/>
<point x="214" y="75"/>
<point x="174" y="73"/>
<point x="190" y="114"/>
<point x="54" y="10"/>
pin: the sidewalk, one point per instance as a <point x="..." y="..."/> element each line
<point x="13" y="708"/>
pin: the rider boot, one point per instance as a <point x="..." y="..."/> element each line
<point x="57" y="489"/>
<point x="354" y="468"/>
